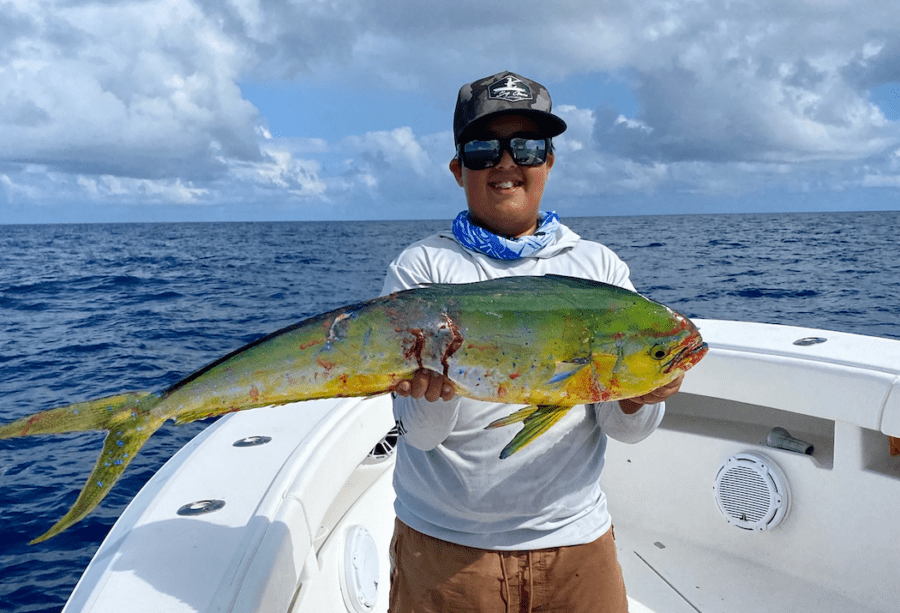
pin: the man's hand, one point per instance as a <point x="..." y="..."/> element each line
<point x="631" y="405"/>
<point x="427" y="384"/>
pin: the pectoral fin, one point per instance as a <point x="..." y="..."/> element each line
<point x="567" y="368"/>
<point x="536" y="420"/>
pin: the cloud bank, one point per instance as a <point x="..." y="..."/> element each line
<point x="106" y="104"/>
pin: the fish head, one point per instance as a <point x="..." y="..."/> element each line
<point x="657" y="348"/>
<point x="683" y="350"/>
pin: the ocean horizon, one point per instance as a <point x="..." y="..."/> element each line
<point x="95" y="309"/>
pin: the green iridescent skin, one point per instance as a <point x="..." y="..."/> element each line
<point x="546" y="342"/>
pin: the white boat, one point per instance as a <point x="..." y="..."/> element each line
<point x="285" y="509"/>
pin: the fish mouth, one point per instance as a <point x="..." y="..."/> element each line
<point x="688" y="356"/>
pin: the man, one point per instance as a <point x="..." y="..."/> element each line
<point x="530" y="532"/>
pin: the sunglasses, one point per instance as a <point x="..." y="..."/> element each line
<point x="484" y="154"/>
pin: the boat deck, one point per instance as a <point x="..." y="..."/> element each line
<point x="666" y="575"/>
<point x="280" y="542"/>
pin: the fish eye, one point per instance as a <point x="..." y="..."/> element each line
<point x="658" y="352"/>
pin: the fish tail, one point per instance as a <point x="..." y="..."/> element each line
<point x="129" y="422"/>
<point x="79" y="417"/>
<point x="537" y="421"/>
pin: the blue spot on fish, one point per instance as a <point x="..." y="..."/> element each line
<point x="120" y="443"/>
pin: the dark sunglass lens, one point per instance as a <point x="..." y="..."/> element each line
<point x="528" y="151"/>
<point x="481" y="154"/>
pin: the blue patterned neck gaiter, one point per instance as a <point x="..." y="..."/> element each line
<point x="478" y="239"/>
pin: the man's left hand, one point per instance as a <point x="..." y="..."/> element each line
<point x="631" y="405"/>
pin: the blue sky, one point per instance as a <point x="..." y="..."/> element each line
<point x="199" y="110"/>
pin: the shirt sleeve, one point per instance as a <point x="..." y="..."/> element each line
<point x="399" y="277"/>
<point x="627" y="428"/>
<point x="620" y="274"/>
<point x="423" y="424"/>
<point x="411" y="269"/>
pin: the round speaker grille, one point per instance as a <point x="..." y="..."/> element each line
<point x="361" y="571"/>
<point x="751" y="492"/>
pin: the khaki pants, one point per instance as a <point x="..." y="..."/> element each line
<point x="429" y="575"/>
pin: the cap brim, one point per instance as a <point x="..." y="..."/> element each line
<point x="549" y="124"/>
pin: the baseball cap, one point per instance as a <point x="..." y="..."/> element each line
<point x="504" y="92"/>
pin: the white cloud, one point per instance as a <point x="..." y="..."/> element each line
<point x="278" y="168"/>
<point x="139" y="101"/>
<point x="142" y="90"/>
<point x="396" y="149"/>
<point x="167" y="190"/>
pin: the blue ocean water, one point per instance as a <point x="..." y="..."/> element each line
<point x="92" y="310"/>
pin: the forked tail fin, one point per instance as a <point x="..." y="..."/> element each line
<point x="129" y="422"/>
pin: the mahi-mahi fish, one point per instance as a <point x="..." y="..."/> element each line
<point x="548" y="343"/>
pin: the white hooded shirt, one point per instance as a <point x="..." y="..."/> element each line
<point x="449" y="479"/>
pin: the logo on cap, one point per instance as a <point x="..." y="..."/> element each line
<point x="509" y="89"/>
